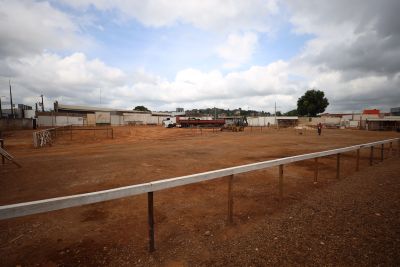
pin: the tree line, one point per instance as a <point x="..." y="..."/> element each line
<point x="310" y="104"/>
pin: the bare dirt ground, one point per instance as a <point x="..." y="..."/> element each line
<point x="330" y="223"/>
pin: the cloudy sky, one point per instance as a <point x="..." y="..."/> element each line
<point x="198" y="54"/>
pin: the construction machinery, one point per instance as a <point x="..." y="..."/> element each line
<point x="235" y="124"/>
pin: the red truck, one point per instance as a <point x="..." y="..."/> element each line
<point x="192" y="122"/>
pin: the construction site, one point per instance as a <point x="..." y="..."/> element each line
<point x="239" y="196"/>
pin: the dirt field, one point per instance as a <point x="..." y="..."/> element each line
<point x="190" y="220"/>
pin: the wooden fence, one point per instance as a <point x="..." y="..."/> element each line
<point x="46" y="205"/>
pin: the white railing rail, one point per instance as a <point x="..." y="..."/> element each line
<point x="46" y="205"/>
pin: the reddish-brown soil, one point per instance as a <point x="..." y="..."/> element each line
<point x="191" y="227"/>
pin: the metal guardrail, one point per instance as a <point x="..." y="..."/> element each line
<point x="47" y="136"/>
<point x="45" y="205"/>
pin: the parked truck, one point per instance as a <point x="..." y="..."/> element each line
<point x="187" y="122"/>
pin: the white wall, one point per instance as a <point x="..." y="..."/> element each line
<point x="52" y="121"/>
<point x="91" y="119"/>
<point x="117" y="120"/>
<point x="260" y="121"/>
<point x="103" y="117"/>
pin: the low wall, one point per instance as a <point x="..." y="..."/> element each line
<point x="52" y="121"/>
<point x="15" y="124"/>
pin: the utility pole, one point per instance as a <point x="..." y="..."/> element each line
<point x="1" y="110"/>
<point x="100" y="96"/>
<point x="42" y="103"/>
<point x="215" y="113"/>
<point x="11" y="103"/>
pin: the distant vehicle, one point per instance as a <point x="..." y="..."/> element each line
<point x="236" y="125"/>
<point x="184" y="122"/>
<point x="169" y="122"/>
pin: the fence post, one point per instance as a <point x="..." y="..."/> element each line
<point x="316" y="170"/>
<point x="382" y="153"/>
<point x="230" y="199"/>
<point x="398" y="147"/>
<point x="371" y="156"/>
<point x="358" y="160"/>
<point x="112" y="133"/>
<point x="2" y="146"/>
<point x="280" y="182"/>
<point x="338" y="166"/>
<point x="151" y="220"/>
<point x="390" y="149"/>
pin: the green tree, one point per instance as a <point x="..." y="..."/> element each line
<point x="312" y="103"/>
<point x="141" y="108"/>
<point x="292" y="113"/>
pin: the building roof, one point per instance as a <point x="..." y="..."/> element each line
<point x="337" y="115"/>
<point x="371" y="111"/>
<point x="93" y="109"/>
<point x="286" y="117"/>
<point x="388" y="118"/>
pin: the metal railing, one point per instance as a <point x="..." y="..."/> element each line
<point x="45" y="137"/>
<point x="46" y="205"/>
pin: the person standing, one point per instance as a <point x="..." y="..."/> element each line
<point x="319" y="128"/>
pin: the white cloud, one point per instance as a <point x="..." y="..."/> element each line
<point x="217" y="15"/>
<point x="238" y="49"/>
<point x="72" y="78"/>
<point x="28" y="27"/>
<point x="353" y="56"/>
<point x="76" y="79"/>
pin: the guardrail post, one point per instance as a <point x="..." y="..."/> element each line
<point x="2" y="156"/>
<point x="358" y="160"/>
<point x="315" y="170"/>
<point x="398" y="147"/>
<point x="230" y="199"/>
<point x="382" y="147"/>
<point x="280" y="182"/>
<point x="371" y="156"/>
<point x="338" y="166"/>
<point x="151" y="221"/>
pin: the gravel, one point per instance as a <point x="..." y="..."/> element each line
<point x="354" y="222"/>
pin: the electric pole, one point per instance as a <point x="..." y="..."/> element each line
<point x="11" y="103"/>
<point x="1" y="110"/>
<point x="276" y="124"/>
<point x="42" y="103"/>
